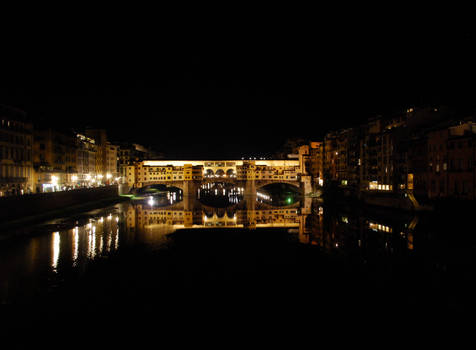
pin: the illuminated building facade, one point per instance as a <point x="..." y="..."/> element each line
<point x="86" y="159"/>
<point x="106" y="157"/>
<point x="263" y="171"/>
<point x="16" y="159"/>
<point x="128" y="154"/>
<point x="422" y="153"/>
<point x="55" y="160"/>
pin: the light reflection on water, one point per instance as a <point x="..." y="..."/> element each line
<point x="32" y="266"/>
<point x="56" y="250"/>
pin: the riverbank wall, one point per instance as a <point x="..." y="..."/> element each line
<point x="47" y="205"/>
<point x="388" y="200"/>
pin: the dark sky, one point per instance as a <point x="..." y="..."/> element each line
<point x="216" y="90"/>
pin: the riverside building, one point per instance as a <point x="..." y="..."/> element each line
<point x="16" y="163"/>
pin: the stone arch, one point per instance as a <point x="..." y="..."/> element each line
<point x="209" y="173"/>
<point x="260" y="184"/>
<point x="219" y="173"/>
<point x="166" y="184"/>
<point x="230" y="173"/>
<point x="230" y="213"/>
<point x="220" y="213"/>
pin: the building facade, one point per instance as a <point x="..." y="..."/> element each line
<point x="55" y="160"/>
<point x="128" y="154"/>
<point x="461" y="159"/>
<point x="16" y="157"/>
<point x="421" y="153"/>
<point x="86" y="159"/>
<point x="106" y="157"/>
<point x="150" y="171"/>
<point x="315" y="167"/>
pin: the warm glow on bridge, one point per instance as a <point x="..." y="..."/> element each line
<point x="222" y="163"/>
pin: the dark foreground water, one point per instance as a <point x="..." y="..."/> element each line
<point x="161" y="265"/>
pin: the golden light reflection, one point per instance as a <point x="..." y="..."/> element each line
<point x="93" y="245"/>
<point x="75" y="244"/>
<point x="117" y="239"/>
<point x="101" y="244"/>
<point x="55" y="250"/>
<point x="109" y="242"/>
<point x="378" y="227"/>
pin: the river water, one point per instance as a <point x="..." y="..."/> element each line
<point x="292" y="252"/>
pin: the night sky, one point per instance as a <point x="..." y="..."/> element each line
<point x="227" y="91"/>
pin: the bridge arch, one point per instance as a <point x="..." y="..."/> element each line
<point x="264" y="183"/>
<point x="166" y="185"/>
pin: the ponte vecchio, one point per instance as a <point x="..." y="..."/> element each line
<point x="189" y="174"/>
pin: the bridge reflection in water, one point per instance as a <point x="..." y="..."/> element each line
<point x="304" y="217"/>
<point x="74" y="243"/>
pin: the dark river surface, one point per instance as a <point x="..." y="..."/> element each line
<point x="186" y="258"/>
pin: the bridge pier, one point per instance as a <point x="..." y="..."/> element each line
<point x="305" y="185"/>
<point x="190" y="189"/>
<point x="249" y="196"/>
<point x="189" y="198"/>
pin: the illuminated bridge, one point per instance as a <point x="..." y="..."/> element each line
<point x="188" y="175"/>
